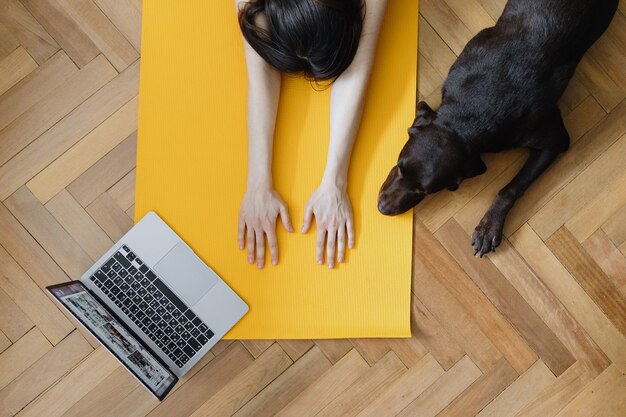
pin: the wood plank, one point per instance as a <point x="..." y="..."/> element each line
<point x="102" y="32"/>
<point x="136" y="404"/>
<point x="287" y="386"/>
<point x="583" y="117"/>
<point x="257" y="347"/>
<point x="429" y="79"/>
<point x="27" y="252"/>
<point x="453" y="317"/>
<point x="8" y="43"/>
<point x="246" y="384"/>
<point x="126" y="18"/>
<point x="615" y="228"/>
<point x="56" y="105"/>
<point x="334" y="349"/>
<point x="567" y="167"/>
<point x="27" y="30"/>
<point x="574" y="94"/>
<point x="106" y="172"/>
<point x="573" y="297"/>
<point x="14" y="323"/>
<point x="79" y="225"/>
<point x="608" y="52"/>
<point x="14" y="68"/>
<point x="34" y="87"/>
<point x="405" y="389"/>
<point x="62" y="136"/>
<point x="139" y="402"/>
<point x="86" y="152"/>
<point x="446" y="23"/>
<point x="109" y="217"/>
<point x="589" y="275"/>
<point x="73" y="386"/>
<point x="600" y="209"/>
<point x="435" y="257"/>
<point x="104" y="395"/>
<point x="64" y="29"/>
<point x="4" y="342"/>
<point x="581" y="191"/>
<point x="327" y="387"/>
<point x="207" y="382"/>
<point x="434" y="336"/>
<point x="372" y="349"/>
<point x="472" y="14"/>
<point x="296" y="348"/>
<point x="559" y="393"/>
<point x="32" y="300"/>
<point x="43" y="373"/>
<point x="549" y="308"/>
<point x="368" y="386"/>
<point x="506" y="299"/>
<point x="434" y="49"/>
<point x="609" y="258"/>
<point x="599" y="83"/>
<point x="408" y="349"/>
<point x="21" y="355"/>
<point x="520" y="393"/>
<point x="131" y="212"/>
<point x="49" y="233"/>
<point x="608" y="389"/>
<point x="443" y="391"/>
<point x="482" y="391"/>
<point x="123" y="192"/>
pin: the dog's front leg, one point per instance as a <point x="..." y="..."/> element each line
<point x="488" y="234"/>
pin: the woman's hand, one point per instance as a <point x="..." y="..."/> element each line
<point x="331" y="207"/>
<point x="260" y="207"/>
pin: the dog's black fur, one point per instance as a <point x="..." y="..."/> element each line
<point x="501" y="93"/>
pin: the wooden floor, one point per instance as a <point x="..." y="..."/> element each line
<point x="536" y="329"/>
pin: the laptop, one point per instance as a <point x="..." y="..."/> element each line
<point x="153" y="303"/>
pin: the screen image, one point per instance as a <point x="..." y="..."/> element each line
<point x="89" y="311"/>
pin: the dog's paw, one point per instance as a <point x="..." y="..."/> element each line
<point x="487" y="235"/>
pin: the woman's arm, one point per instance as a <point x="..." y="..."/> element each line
<point x="330" y="203"/>
<point x="261" y="204"/>
<point x="348" y="95"/>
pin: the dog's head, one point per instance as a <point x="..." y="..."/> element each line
<point x="433" y="159"/>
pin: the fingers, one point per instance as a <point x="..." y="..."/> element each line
<point x="250" y="244"/>
<point x="273" y="244"/>
<point x="260" y="248"/>
<point x="284" y="217"/>
<point x="331" y="238"/>
<point x="341" y="243"/>
<point x="308" y="218"/>
<point x="350" y="227"/>
<point x="240" y="232"/>
<point x="319" y="245"/>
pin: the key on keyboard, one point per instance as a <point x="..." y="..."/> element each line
<point x="152" y="306"/>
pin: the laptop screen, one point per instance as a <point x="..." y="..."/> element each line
<point x="115" y="337"/>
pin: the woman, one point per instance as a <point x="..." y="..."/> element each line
<point x="325" y="40"/>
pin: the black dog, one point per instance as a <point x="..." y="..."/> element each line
<point x="501" y="93"/>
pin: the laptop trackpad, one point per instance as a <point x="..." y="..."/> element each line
<point x="186" y="274"/>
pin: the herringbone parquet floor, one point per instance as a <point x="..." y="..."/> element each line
<point x="536" y="329"/>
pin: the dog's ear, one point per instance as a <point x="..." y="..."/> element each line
<point x="474" y="166"/>
<point x="424" y="115"/>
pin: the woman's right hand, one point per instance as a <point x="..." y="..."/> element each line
<point x="260" y="207"/>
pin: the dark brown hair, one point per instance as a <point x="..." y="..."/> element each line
<point x="316" y="38"/>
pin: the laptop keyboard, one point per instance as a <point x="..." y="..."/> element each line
<point x="143" y="297"/>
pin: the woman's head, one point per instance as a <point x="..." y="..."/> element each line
<point x="317" y="38"/>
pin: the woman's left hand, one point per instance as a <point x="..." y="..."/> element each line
<point x="333" y="215"/>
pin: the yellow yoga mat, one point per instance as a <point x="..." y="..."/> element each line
<point x="192" y="161"/>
